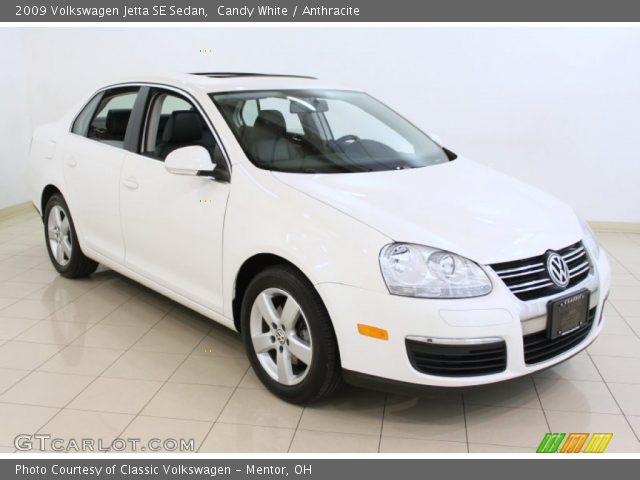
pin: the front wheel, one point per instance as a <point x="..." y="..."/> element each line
<point x="288" y="336"/>
<point x="62" y="241"/>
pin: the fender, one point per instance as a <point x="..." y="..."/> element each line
<point x="260" y="219"/>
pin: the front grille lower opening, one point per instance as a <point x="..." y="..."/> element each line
<point x="538" y="347"/>
<point x="457" y="360"/>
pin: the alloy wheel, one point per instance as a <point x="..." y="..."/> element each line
<point x="59" y="233"/>
<point x="281" y="336"/>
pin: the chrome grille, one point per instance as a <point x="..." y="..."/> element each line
<point x="528" y="279"/>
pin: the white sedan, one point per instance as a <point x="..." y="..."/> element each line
<point x="342" y="242"/>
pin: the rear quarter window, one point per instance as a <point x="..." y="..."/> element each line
<point x="81" y="123"/>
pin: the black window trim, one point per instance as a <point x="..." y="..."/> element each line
<point x="101" y="92"/>
<point x="140" y="107"/>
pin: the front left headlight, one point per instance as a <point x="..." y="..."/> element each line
<point x="418" y="271"/>
<point x="589" y="239"/>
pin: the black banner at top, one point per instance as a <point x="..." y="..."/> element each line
<point x="320" y="11"/>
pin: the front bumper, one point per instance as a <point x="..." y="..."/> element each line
<point x="499" y="315"/>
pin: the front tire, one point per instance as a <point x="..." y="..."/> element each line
<point x="62" y="241"/>
<point x="289" y="337"/>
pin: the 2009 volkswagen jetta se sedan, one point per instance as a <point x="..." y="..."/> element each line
<point x="343" y="243"/>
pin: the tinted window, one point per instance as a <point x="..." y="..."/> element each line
<point x="325" y="131"/>
<point x="109" y="123"/>
<point x="173" y="122"/>
<point x="81" y="123"/>
<point x="249" y="112"/>
<point x="347" y="119"/>
<point x="291" y="120"/>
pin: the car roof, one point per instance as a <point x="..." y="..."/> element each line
<point x="211" y="82"/>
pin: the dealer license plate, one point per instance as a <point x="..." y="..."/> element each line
<point x="568" y="314"/>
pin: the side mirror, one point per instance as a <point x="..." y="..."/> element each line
<point x="193" y="160"/>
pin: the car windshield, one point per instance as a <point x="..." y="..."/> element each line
<point x="324" y="131"/>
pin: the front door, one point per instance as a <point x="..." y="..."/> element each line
<point x="173" y="224"/>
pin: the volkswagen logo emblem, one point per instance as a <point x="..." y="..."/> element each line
<point x="558" y="270"/>
<point x="281" y="337"/>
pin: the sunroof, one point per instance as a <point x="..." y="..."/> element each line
<point x="248" y="74"/>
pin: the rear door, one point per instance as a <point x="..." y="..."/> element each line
<point x="92" y="162"/>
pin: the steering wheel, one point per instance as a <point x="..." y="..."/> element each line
<point x="346" y="138"/>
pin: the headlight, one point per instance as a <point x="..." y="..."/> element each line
<point x="419" y="271"/>
<point x="589" y="240"/>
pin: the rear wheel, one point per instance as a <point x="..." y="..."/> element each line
<point x="289" y="337"/>
<point x="62" y="241"/>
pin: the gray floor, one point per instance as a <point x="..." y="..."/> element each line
<point x="107" y="358"/>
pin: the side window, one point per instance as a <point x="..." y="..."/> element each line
<point x="81" y="123"/>
<point x="109" y="123"/>
<point x="173" y="122"/>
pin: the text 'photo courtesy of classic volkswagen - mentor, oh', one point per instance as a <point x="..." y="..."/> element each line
<point x="343" y="243"/>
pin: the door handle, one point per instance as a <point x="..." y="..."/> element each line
<point x="71" y="162"/>
<point x="130" y="183"/>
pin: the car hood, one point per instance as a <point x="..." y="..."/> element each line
<point x="459" y="206"/>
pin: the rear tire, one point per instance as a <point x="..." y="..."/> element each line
<point x="289" y="337"/>
<point x="62" y="241"/>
